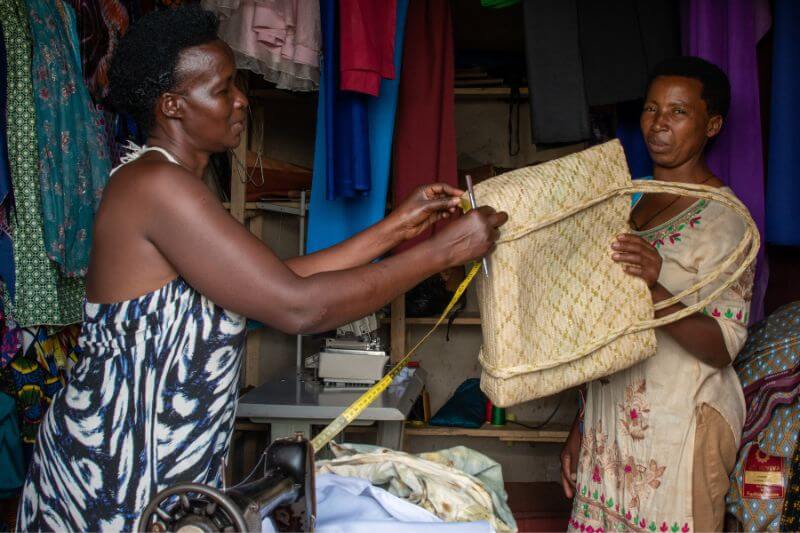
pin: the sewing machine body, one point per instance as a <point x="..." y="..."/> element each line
<point x="283" y="492"/>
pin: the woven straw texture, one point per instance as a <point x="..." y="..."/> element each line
<point x="556" y="310"/>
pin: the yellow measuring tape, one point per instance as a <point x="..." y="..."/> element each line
<point x="358" y="406"/>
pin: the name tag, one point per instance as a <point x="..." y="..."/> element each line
<point x="764" y="476"/>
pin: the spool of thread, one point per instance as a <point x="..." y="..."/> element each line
<point x="488" y="411"/>
<point x="498" y="416"/>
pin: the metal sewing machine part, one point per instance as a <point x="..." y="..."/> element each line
<point x="355" y="358"/>
<point x="282" y="492"/>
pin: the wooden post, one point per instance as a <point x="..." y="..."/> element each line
<point x="398" y="328"/>
<point x="252" y="362"/>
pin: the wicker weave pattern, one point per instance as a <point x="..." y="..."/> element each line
<point x="557" y="311"/>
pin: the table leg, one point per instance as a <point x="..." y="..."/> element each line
<point x="390" y="434"/>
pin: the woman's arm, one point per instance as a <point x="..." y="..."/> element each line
<point x="698" y="334"/>
<point x="226" y="263"/>
<point x="427" y="205"/>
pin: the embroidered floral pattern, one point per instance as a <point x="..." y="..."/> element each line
<point x="635" y="411"/>
<point x="607" y="464"/>
<point x="731" y="313"/>
<point x="672" y="234"/>
<point x="591" y="514"/>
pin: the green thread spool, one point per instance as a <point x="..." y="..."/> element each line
<point x="498" y="416"/>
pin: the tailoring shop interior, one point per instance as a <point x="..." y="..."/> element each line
<point x="353" y="105"/>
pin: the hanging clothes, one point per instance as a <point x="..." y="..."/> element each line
<point x="42" y="295"/>
<point x="366" y="44"/>
<point x="332" y="221"/>
<point x="7" y="276"/>
<point x="783" y="187"/>
<point x="39" y="370"/>
<point x="558" y="108"/>
<point x="73" y="148"/>
<point x="726" y="33"/>
<point x="621" y="41"/>
<point x="584" y="53"/>
<point x="11" y="459"/>
<point x="10" y="340"/>
<point x="280" y="40"/>
<point x="425" y="149"/>
<point x="101" y="24"/>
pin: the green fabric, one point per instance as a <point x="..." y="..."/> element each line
<point x="497" y="4"/>
<point x="11" y="462"/>
<point x="43" y="295"/>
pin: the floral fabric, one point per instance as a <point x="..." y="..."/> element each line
<point x="73" y="150"/>
<point x="42" y="294"/>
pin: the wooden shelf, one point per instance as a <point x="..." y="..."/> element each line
<point x="487" y="92"/>
<point x="509" y="433"/>
<point x="429" y="321"/>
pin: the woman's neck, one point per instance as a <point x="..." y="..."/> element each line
<point x="194" y="161"/>
<point x="688" y="172"/>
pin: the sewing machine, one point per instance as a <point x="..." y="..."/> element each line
<point x="353" y="358"/>
<point x="282" y="492"/>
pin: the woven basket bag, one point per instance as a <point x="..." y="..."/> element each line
<point x="556" y="310"/>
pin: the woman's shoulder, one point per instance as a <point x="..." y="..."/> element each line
<point x="722" y="218"/>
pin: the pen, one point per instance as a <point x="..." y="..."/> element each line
<point x="471" y="195"/>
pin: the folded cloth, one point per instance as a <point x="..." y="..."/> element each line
<point x="354" y="505"/>
<point x="434" y="481"/>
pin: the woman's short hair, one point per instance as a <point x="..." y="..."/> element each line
<point x="716" y="87"/>
<point x="144" y="65"/>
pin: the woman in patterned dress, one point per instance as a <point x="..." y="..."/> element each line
<point x="172" y="277"/>
<point x="658" y="440"/>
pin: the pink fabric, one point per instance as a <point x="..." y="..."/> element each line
<point x="366" y="44"/>
<point x="280" y="39"/>
<point x="288" y="28"/>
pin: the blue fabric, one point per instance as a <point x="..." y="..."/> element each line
<point x="783" y="164"/>
<point x="354" y="505"/>
<point x="7" y="272"/>
<point x="332" y="221"/>
<point x="11" y="460"/>
<point x="629" y="134"/>
<point x="636" y="196"/>
<point x="465" y="409"/>
<point x="74" y="164"/>
<point x="351" y="159"/>
<point x="346" y="123"/>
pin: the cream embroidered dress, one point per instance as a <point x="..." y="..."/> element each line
<point x="635" y="467"/>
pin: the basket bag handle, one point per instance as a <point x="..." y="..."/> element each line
<point x="750" y="242"/>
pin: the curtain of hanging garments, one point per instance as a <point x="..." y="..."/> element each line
<point x="332" y="220"/>
<point x="726" y="33"/>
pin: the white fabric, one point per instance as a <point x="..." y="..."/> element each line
<point x="354" y="505"/>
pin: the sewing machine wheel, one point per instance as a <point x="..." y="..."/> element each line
<point x="191" y="508"/>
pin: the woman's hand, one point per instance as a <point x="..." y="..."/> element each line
<point x="638" y="258"/>
<point x="427" y="205"/>
<point x="470" y="237"/>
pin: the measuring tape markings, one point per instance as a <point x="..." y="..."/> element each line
<point x="358" y="406"/>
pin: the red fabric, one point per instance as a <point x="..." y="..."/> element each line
<point x="366" y="44"/>
<point x="425" y="136"/>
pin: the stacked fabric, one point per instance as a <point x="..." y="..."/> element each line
<point x="769" y="369"/>
<point x="457" y="484"/>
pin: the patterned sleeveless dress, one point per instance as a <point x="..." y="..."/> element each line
<point x="151" y="404"/>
